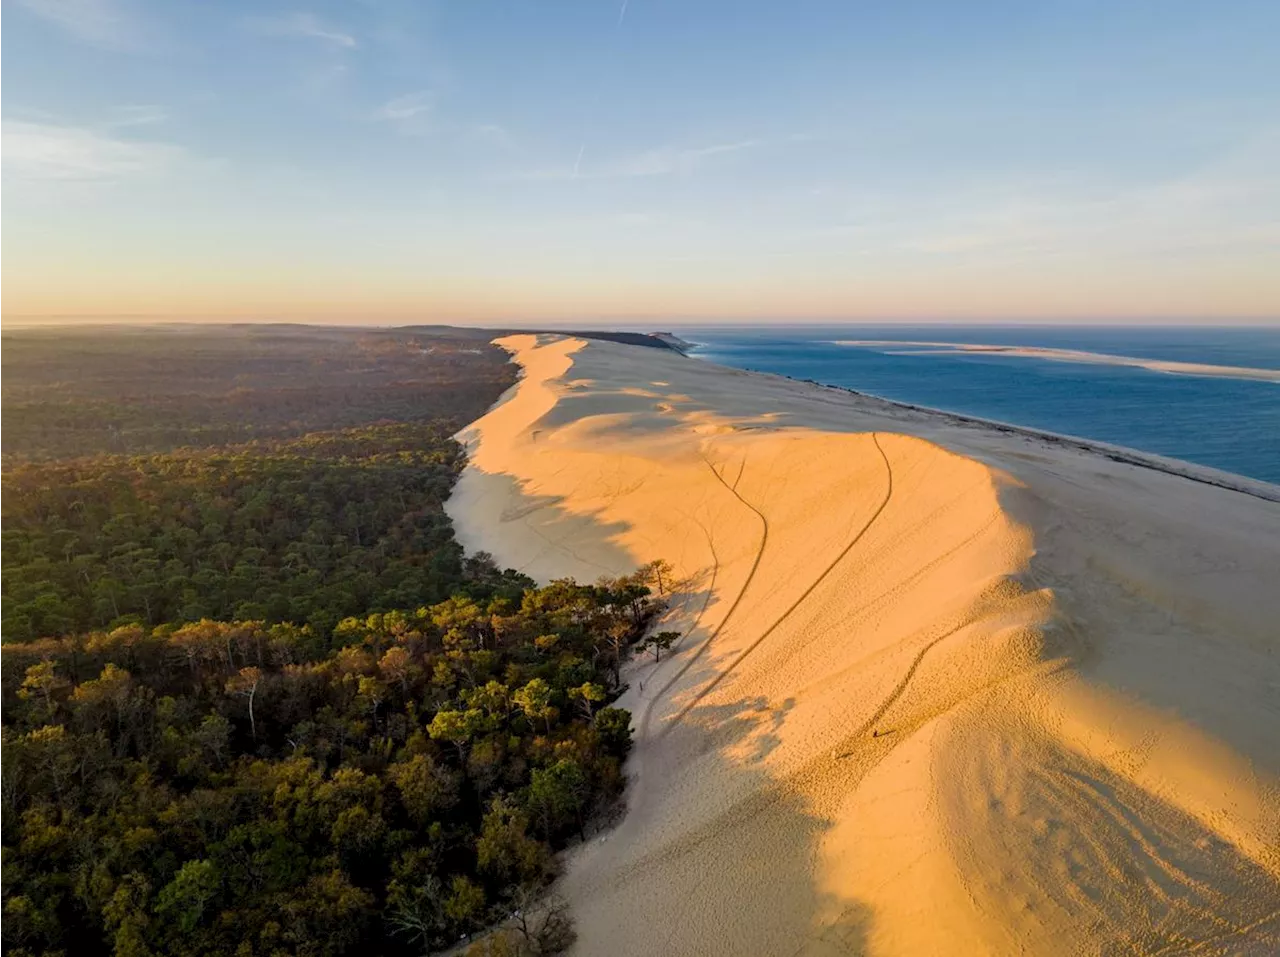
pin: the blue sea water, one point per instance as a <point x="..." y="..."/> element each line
<point x="1227" y="423"/>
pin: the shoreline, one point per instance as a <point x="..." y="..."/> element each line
<point x="916" y="347"/>
<point x="918" y="650"/>
<point x="1193" y="471"/>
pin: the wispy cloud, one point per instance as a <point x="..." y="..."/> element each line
<point x="406" y="107"/>
<point x="494" y="134"/>
<point x="306" y="26"/>
<point x="665" y="161"/>
<point x="44" y="151"/>
<point x="410" y="113"/>
<point x="137" y="114"/>
<point x="99" y="23"/>
<point x="1229" y="204"/>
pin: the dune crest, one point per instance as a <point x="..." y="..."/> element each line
<point x="938" y="690"/>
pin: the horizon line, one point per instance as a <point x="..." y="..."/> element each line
<point x="141" y="319"/>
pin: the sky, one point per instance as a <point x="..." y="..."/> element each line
<point x="638" y="161"/>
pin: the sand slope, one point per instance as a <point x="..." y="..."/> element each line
<point x="942" y="690"/>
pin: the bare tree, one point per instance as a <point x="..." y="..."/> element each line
<point x="544" y="924"/>
<point x="246" y="684"/>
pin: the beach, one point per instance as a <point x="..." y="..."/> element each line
<point x="917" y="347"/>
<point x="942" y="687"/>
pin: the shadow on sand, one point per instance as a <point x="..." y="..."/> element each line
<point x="715" y="855"/>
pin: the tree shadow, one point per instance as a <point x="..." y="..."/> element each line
<point x="535" y="533"/>
<point x="768" y="739"/>
<point x="716" y="855"/>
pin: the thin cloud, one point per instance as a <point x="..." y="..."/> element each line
<point x="137" y="114"/>
<point x="44" y="151"/>
<point x="666" y="161"/>
<point x="306" y="26"/>
<point x="408" y="113"/>
<point x="1231" y="204"/>
<point x="495" y="134"/>
<point x="663" y="162"/>
<point x="401" y="108"/>
<point x="99" y="23"/>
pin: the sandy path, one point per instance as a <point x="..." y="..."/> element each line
<point x="942" y="689"/>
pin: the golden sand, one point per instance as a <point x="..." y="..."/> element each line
<point x="941" y="690"/>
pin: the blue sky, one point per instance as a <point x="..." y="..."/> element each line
<point x="395" y="161"/>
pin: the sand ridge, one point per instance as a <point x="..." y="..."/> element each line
<point x="915" y="347"/>
<point x="940" y="690"/>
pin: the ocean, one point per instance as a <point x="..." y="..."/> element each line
<point x="1229" y="420"/>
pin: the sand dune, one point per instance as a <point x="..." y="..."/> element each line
<point x="909" y="347"/>
<point x="941" y="690"/>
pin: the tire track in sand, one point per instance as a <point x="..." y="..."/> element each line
<point x="900" y="688"/>
<point x="764" y="539"/>
<point x="888" y="493"/>
<point x="649" y="700"/>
